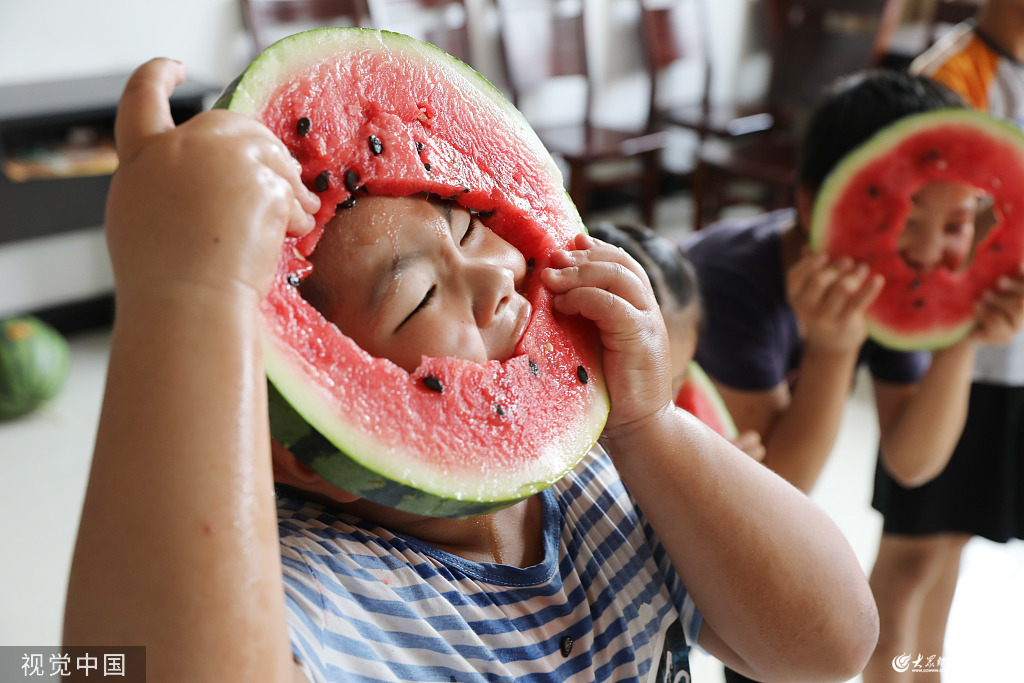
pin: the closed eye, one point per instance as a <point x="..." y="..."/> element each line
<point x="419" y="307"/>
<point x="469" y="229"/>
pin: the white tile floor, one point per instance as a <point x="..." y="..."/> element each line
<point x="44" y="461"/>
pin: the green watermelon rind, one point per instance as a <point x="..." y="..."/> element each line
<point x="341" y="452"/>
<point x="876" y="147"/>
<point x="696" y="375"/>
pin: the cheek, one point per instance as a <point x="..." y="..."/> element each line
<point x="438" y="336"/>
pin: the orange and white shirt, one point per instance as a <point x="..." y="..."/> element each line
<point x="967" y="62"/>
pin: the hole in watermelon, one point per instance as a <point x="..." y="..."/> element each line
<point x="944" y="226"/>
<point x="383" y="276"/>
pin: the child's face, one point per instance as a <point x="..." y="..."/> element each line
<point x="940" y="227"/>
<point x="406" y="277"/>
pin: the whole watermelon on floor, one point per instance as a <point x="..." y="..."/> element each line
<point x="373" y="112"/>
<point x="33" y="365"/>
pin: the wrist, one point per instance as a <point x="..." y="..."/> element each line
<point x="625" y="436"/>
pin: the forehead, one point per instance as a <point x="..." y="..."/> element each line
<point x="362" y="244"/>
<point x="944" y="194"/>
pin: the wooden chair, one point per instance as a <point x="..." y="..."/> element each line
<point x="544" y="42"/>
<point x="269" y="20"/>
<point x="676" y="46"/>
<point x="813" y="44"/>
<point x="444" y="23"/>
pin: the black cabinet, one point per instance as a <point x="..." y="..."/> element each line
<point x="55" y="151"/>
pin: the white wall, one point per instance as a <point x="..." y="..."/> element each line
<point x="92" y="37"/>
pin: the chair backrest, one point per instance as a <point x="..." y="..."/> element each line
<point x="675" y="38"/>
<point x="269" y="20"/>
<point x="444" y="23"/>
<point x="814" y="42"/>
<point x="543" y="40"/>
<point x="948" y="13"/>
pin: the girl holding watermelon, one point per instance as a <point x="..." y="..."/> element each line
<point x="786" y="328"/>
<point x="980" y="491"/>
<point x="178" y="547"/>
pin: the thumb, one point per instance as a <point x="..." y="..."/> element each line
<point x="145" y="107"/>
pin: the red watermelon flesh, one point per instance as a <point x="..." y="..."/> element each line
<point x="865" y="202"/>
<point x="700" y="398"/>
<point x="375" y="112"/>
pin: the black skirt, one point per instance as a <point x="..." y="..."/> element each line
<point x="981" y="491"/>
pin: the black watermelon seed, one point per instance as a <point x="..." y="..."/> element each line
<point x="915" y="284"/>
<point x="534" y="370"/>
<point x="349" y="202"/>
<point x="485" y="214"/>
<point x="529" y="265"/>
<point x="351" y="180"/>
<point x="465" y="190"/>
<point x="581" y="374"/>
<point x="996" y="247"/>
<point x="873" y="191"/>
<point x="376" y="146"/>
<point x="499" y="409"/>
<point x="294" y="280"/>
<point x="566" y="646"/>
<point x="322" y="182"/>
<point x="303" y="126"/>
<point x="433" y="383"/>
<point x="930" y="155"/>
<point x="427" y="166"/>
<point x="919" y="303"/>
<point x="419" y="146"/>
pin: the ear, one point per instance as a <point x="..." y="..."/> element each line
<point x="291" y="471"/>
<point x="805" y="197"/>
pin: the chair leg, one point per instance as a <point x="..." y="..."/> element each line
<point x="579" y="188"/>
<point x="701" y="192"/>
<point x="651" y="189"/>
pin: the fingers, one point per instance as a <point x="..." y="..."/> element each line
<point x="1000" y="311"/>
<point x="750" y="443"/>
<point x="145" y="107"/>
<point x="304" y="202"/>
<point x="832" y="289"/>
<point x="598" y="265"/>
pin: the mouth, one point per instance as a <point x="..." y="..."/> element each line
<point x="522" y="321"/>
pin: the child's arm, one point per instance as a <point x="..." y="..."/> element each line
<point x="920" y="424"/>
<point x="799" y="427"/>
<point x="768" y="570"/>
<point x="177" y="548"/>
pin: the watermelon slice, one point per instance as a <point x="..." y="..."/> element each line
<point x="367" y="111"/>
<point x="864" y="203"/>
<point x="700" y="398"/>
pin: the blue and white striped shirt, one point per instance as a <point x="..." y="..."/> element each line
<point x="604" y="605"/>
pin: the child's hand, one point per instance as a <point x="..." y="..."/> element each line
<point x="604" y="284"/>
<point x="749" y="442"/>
<point x="1000" y="312"/>
<point x="829" y="299"/>
<point x="205" y="204"/>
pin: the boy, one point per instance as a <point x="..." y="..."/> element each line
<point x="785" y="329"/>
<point x="178" y="547"/>
<point x="980" y="491"/>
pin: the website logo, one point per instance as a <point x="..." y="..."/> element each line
<point x="924" y="664"/>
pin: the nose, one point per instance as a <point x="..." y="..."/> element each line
<point x="923" y="249"/>
<point x="493" y="278"/>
